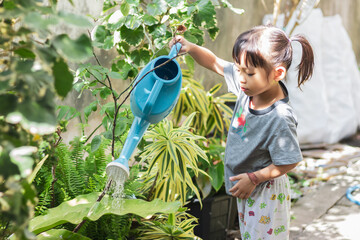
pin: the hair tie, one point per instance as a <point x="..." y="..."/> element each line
<point x="289" y="39"/>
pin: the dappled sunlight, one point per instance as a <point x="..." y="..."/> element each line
<point x="76" y="201"/>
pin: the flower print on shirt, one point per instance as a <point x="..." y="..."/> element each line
<point x="239" y="123"/>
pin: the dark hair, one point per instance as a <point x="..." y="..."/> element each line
<point x="268" y="46"/>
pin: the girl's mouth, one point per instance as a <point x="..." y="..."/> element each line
<point x="243" y="89"/>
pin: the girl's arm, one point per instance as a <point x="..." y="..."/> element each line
<point x="201" y="55"/>
<point x="245" y="186"/>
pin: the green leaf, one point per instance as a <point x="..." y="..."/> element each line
<point x="32" y="115"/>
<point x="86" y="207"/>
<point x="47" y="54"/>
<point x="191" y="38"/>
<point x="25" y="53"/>
<point x="125" y="8"/>
<point x="36" y="20"/>
<point x="63" y="78"/>
<point x="133" y="37"/>
<point x="99" y="33"/>
<point x="36" y="169"/>
<point x="174" y="3"/>
<point x="124" y="68"/>
<point x="10" y="106"/>
<point x="115" y="75"/>
<point x="116" y="20"/>
<point x="9" y="5"/>
<point x="157" y="7"/>
<point x="63" y="111"/>
<point x="92" y="107"/>
<point x="217" y="175"/>
<point x="60" y="234"/>
<point x="133" y="2"/>
<point x="204" y="184"/>
<point x="74" y="50"/>
<point x="75" y="19"/>
<point x="22" y="157"/>
<point x="108" y="42"/>
<point x="213" y="32"/>
<point x="105" y="92"/>
<point x="120" y="127"/>
<point x="206" y="14"/>
<point x="190" y="63"/>
<point x="132" y="22"/>
<point x="149" y="20"/>
<point x="95" y="143"/>
<point x="215" y="89"/>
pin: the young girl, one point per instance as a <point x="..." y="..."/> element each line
<point x="262" y="144"/>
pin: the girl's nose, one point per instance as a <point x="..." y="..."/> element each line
<point x="242" y="79"/>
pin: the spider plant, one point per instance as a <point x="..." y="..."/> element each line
<point x="179" y="226"/>
<point x="214" y="115"/>
<point x="172" y="158"/>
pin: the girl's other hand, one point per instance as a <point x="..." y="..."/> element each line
<point x="185" y="44"/>
<point x="243" y="188"/>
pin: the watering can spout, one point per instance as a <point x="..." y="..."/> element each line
<point x="155" y="95"/>
<point x="135" y="134"/>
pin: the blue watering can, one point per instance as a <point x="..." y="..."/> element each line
<point x="152" y="100"/>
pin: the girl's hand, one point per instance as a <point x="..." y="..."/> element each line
<point x="185" y="44"/>
<point x="243" y="188"/>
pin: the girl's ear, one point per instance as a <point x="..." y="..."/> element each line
<point x="280" y="73"/>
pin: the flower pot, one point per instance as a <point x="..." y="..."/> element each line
<point x="213" y="217"/>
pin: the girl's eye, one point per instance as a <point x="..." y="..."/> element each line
<point x="251" y="74"/>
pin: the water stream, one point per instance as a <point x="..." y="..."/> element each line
<point x="118" y="177"/>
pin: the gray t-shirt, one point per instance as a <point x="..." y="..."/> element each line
<point x="258" y="138"/>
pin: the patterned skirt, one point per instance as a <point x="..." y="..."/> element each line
<point x="266" y="213"/>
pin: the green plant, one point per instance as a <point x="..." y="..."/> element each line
<point x="211" y="183"/>
<point x="33" y="72"/>
<point x="77" y="169"/>
<point x="211" y="122"/>
<point x="173" y="226"/>
<point x="172" y="157"/>
<point x="214" y="115"/>
<point x="85" y="206"/>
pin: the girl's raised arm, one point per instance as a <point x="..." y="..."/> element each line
<point x="201" y="55"/>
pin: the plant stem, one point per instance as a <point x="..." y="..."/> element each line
<point x="92" y="133"/>
<point x="152" y="187"/>
<point x="52" y="185"/>
<point x="115" y="107"/>
<point x="98" y="80"/>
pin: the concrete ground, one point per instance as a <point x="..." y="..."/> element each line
<point x="326" y="213"/>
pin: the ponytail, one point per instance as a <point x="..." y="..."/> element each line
<point x="278" y="50"/>
<point x="306" y="65"/>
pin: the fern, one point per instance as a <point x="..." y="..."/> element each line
<point x="77" y="157"/>
<point x="109" y="227"/>
<point x="78" y="170"/>
<point x="67" y="171"/>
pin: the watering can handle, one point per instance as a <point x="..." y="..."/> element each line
<point x="175" y="50"/>
<point x="152" y="97"/>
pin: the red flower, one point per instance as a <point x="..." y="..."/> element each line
<point x="241" y="120"/>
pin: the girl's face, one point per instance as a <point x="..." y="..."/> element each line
<point x="253" y="81"/>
